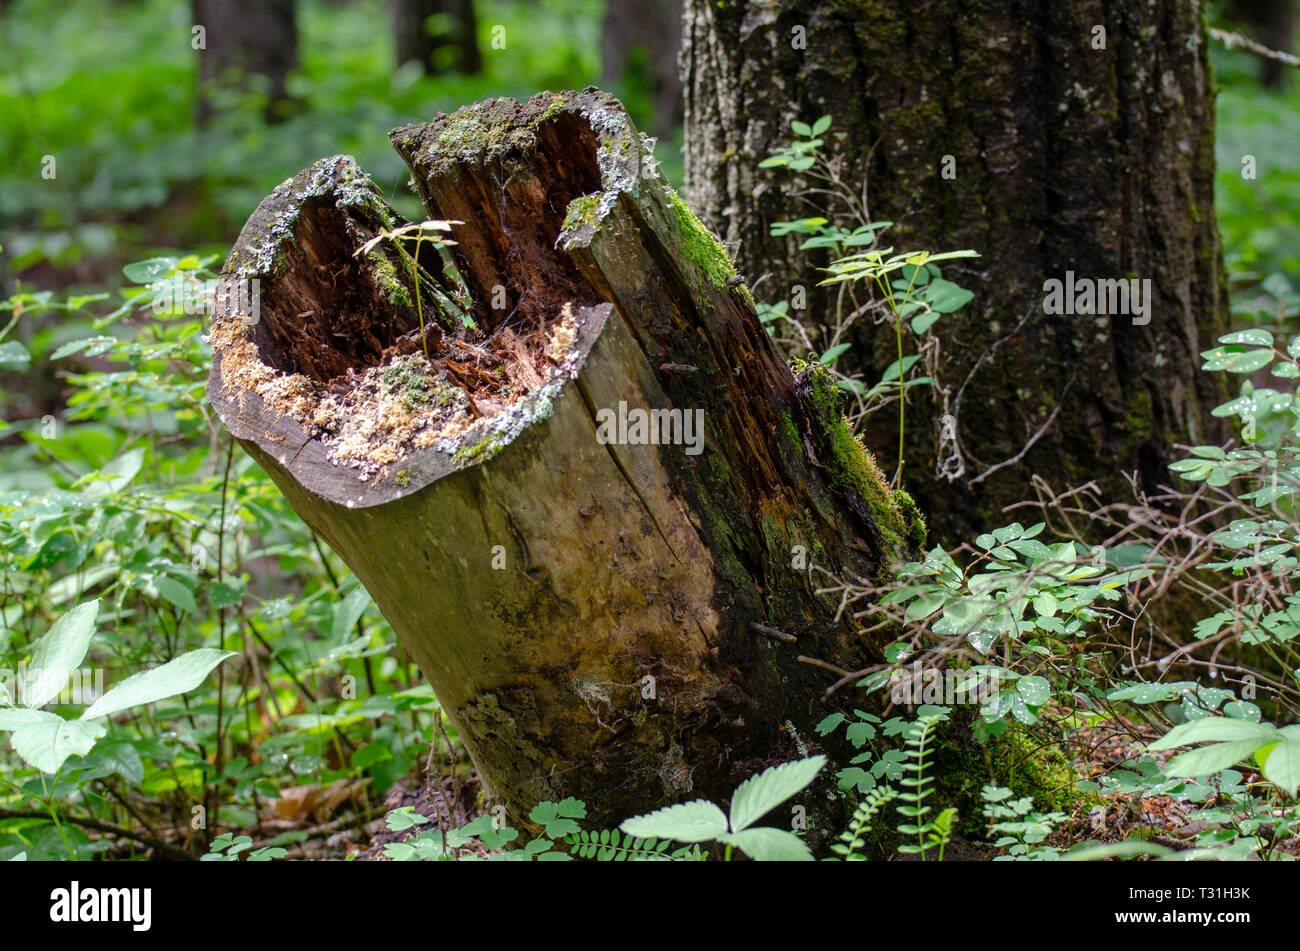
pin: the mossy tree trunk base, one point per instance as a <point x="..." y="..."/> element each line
<point x="595" y="615"/>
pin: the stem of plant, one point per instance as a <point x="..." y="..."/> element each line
<point x="419" y="306"/>
<point x="898" y="336"/>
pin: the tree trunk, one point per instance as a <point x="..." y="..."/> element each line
<point x="1007" y="131"/>
<point x="243" y="39"/>
<point x="449" y="42"/>
<point x="599" y="616"/>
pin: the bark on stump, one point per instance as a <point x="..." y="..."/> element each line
<point x="616" y="656"/>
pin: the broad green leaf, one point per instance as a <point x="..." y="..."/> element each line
<point x="951" y="255"/>
<point x="1281" y="765"/>
<point x="830" y="356"/>
<point x="15" y="718"/>
<point x="698" y="821"/>
<point x="1045" y="604"/>
<point x="1034" y="690"/>
<point x="124" y="759"/>
<point x="891" y="373"/>
<point x="222" y="595"/>
<point x="1242" y="710"/>
<point x="821" y="125"/>
<point x="148" y="271"/>
<point x="947" y="297"/>
<point x="858" y="733"/>
<point x="923" y="322"/>
<point x="761" y="794"/>
<point x="1247" y="362"/>
<point x="115" y="476"/>
<point x="348" y="611"/>
<point x="72" y="346"/>
<point x="1210" y="759"/>
<point x="59" y="653"/>
<point x="1087" y="852"/>
<point x="1214" y="730"/>
<point x="769" y="845"/>
<point x="176" y="593"/>
<point x="399" y="820"/>
<point x="48" y="743"/>
<point x="1147" y="692"/>
<point x="1254" y="338"/>
<point x="13" y="355"/>
<point x="178" y="676"/>
<point x="829" y="724"/>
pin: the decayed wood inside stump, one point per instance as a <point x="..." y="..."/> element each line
<point x="585" y="607"/>
<point x="352" y="361"/>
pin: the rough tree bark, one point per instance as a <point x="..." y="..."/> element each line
<point x="1067" y="157"/>
<point x="245" y="39"/>
<point x="421" y="38"/>
<point x="597" y="617"/>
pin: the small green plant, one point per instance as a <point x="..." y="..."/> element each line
<point x="46" y="740"/>
<point x="423" y="231"/>
<point x="930" y="833"/>
<point x="612" y="845"/>
<point x="228" y="847"/>
<point x="922" y="311"/>
<point x="702" y="821"/>
<point x="1019" y="828"/>
<point x="560" y="825"/>
<point x="908" y="768"/>
<point x="908" y="285"/>
<point x="854" y="837"/>
<point x="871" y="765"/>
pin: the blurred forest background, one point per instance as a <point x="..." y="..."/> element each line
<point x="152" y="156"/>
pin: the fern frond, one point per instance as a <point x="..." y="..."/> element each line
<point x="611" y="845"/>
<point x="851" y="838"/>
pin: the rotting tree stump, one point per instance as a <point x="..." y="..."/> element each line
<point x="600" y="615"/>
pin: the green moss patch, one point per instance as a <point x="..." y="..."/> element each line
<point x="700" y="246"/>
<point x="853" y="468"/>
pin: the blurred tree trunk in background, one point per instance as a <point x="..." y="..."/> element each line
<point x="1272" y="23"/>
<point x="244" y="38"/>
<point x="1012" y="133"/>
<point x="441" y="35"/>
<point x="644" y="36"/>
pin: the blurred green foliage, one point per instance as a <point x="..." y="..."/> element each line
<point x="1259" y="218"/>
<point x="108" y="89"/>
